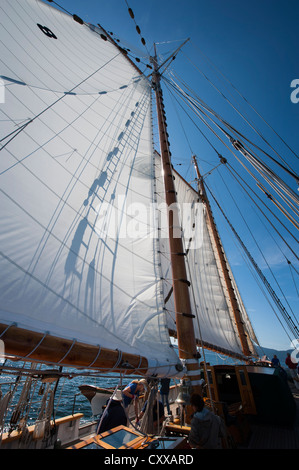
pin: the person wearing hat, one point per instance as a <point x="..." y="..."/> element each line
<point x="132" y="392"/>
<point x="114" y="415"/>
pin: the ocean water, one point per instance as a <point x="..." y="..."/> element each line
<point x="68" y="398"/>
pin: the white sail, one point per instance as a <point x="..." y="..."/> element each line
<point x="76" y="162"/>
<point x="214" y="323"/>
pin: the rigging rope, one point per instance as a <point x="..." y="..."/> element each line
<point x="291" y="267"/>
<point x="250" y="231"/>
<point x="197" y="104"/>
<point x="227" y="80"/>
<point x="259" y="208"/>
<point x="294" y="329"/>
<point x="147" y="425"/>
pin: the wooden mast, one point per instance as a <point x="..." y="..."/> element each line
<point x="183" y="312"/>
<point x="220" y="252"/>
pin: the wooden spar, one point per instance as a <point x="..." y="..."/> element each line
<point x="220" y="252"/>
<point x="213" y="347"/>
<point x="31" y="346"/>
<point x="183" y="312"/>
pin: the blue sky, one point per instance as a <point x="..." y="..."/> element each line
<point x="255" y="45"/>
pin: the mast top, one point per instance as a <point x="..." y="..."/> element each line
<point x="171" y="57"/>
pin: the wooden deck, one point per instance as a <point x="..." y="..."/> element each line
<point x="276" y="437"/>
<point x="261" y="436"/>
<point x="248" y="435"/>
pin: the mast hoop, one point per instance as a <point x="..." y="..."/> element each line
<point x="185" y="281"/>
<point x="189" y="315"/>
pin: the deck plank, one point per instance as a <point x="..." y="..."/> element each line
<point x="277" y="437"/>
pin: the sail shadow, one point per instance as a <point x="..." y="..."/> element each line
<point x="97" y="184"/>
<point x="89" y="291"/>
<point x="71" y="260"/>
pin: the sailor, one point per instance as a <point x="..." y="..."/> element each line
<point x="132" y="392"/>
<point x="157" y="410"/>
<point x="164" y="392"/>
<point x="275" y="361"/>
<point x="206" y="427"/>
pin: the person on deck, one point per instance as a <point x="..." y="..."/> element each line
<point x="164" y="392"/>
<point x="275" y="361"/>
<point x="157" y="409"/>
<point x="206" y="427"/>
<point x="293" y="370"/>
<point x="132" y="392"/>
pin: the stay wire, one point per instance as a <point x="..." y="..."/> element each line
<point x="198" y="103"/>
<point x="246" y="101"/>
<point x="240" y="114"/>
<point x="259" y="208"/>
<point x="261" y="286"/>
<point x="292" y="275"/>
<point x="256" y="242"/>
<point x="193" y="108"/>
<point x="271" y="291"/>
<point x="179" y="119"/>
<point x="205" y="137"/>
<point x="258" y="165"/>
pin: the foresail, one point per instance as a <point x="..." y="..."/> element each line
<point x="78" y="252"/>
<point x="251" y="336"/>
<point x="214" y="323"/>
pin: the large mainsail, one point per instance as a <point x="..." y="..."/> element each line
<point x="77" y="170"/>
